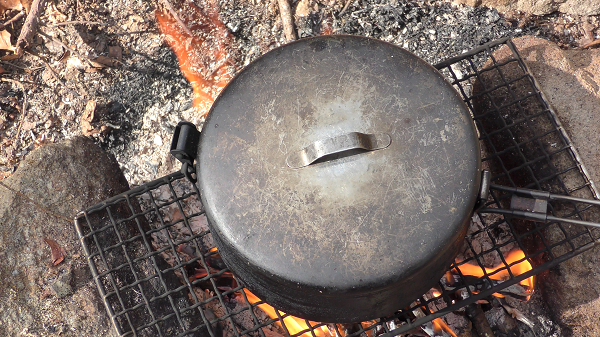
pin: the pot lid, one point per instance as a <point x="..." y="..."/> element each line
<point x="338" y="164"/>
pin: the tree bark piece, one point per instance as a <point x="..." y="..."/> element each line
<point x="287" y="20"/>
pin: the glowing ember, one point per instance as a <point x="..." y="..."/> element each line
<point x="500" y="273"/>
<point x="199" y="40"/>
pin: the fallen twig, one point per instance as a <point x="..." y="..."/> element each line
<point x="20" y="67"/>
<point x="29" y="28"/>
<point x="66" y="23"/>
<point x="66" y="47"/>
<point x="13" y="19"/>
<point x="23" y="109"/>
<point x="150" y="31"/>
<point x="287" y="20"/>
<point x="348" y="2"/>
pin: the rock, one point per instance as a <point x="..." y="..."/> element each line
<point x="38" y="201"/>
<point x="570" y="80"/>
<point x="62" y="286"/>
<point x="472" y="3"/>
<point x="302" y="8"/>
<point x="541" y="7"/>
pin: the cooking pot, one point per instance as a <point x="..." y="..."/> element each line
<point x="338" y="174"/>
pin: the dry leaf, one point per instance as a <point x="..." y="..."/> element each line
<point x="87" y="118"/>
<point x="90" y="109"/>
<point x="5" y="174"/>
<point x="27" y="125"/>
<point x="102" y="61"/>
<point x="593" y="44"/>
<point x="11" y="4"/>
<point x="86" y="121"/>
<point x="54" y="15"/>
<point x="115" y="52"/>
<point x="58" y="253"/>
<point x="74" y="62"/>
<point x="5" y="41"/>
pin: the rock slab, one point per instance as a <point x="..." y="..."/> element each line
<point x="570" y="79"/>
<point x="540" y="7"/>
<point x="37" y="202"/>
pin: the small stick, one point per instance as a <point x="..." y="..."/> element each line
<point x="13" y="19"/>
<point x="93" y="23"/>
<point x="23" y="110"/>
<point x="64" y="46"/>
<point x="16" y="66"/>
<point x="138" y="32"/>
<point x="287" y="20"/>
<point x="29" y="27"/>
<point x="345" y="7"/>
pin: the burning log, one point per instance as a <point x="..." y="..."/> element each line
<point x="480" y="323"/>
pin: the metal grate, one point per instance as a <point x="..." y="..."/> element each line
<point x="157" y="270"/>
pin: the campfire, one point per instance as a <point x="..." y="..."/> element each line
<point x="200" y="42"/>
<point x="484" y="272"/>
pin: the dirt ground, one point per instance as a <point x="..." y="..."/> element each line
<point x="102" y="68"/>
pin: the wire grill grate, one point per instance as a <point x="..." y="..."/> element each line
<point x="157" y="270"/>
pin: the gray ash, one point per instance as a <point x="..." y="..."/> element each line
<point x="434" y="31"/>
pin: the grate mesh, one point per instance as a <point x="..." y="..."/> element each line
<point x="157" y="270"/>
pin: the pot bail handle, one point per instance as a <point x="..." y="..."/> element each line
<point x="345" y="142"/>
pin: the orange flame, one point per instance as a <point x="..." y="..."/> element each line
<point x="200" y="47"/>
<point x="500" y="272"/>
<point x="297" y="325"/>
<point x="293" y="324"/>
<point x="439" y="325"/>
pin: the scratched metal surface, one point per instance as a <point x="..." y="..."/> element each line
<point x="351" y="238"/>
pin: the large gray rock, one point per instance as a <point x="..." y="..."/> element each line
<point x="540" y="7"/>
<point x="36" y="203"/>
<point x="570" y="80"/>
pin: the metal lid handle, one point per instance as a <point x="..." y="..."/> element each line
<point x="325" y="147"/>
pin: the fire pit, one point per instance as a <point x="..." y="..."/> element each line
<point x="158" y="272"/>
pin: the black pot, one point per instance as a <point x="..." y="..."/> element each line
<point x="339" y="174"/>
